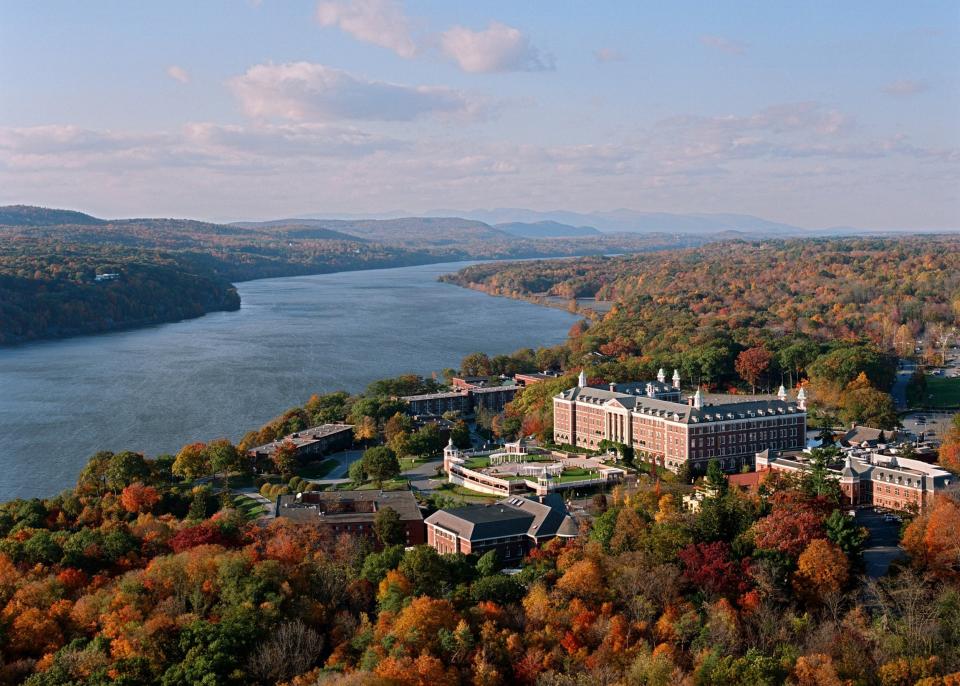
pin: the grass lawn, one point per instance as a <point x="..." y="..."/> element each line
<point x="577" y="475"/>
<point x="392" y="485"/>
<point x="411" y="462"/>
<point x="942" y="392"/>
<point x="466" y="492"/>
<point x="250" y="508"/>
<point x="477" y="463"/>
<point x="318" y="470"/>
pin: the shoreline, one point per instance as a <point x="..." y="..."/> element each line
<point x="153" y="390"/>
<point x="146" y="324"/>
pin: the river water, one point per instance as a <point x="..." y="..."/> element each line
<point x="155" y="389"/>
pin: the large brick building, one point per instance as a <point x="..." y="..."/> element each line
<point x="651" y="418"/>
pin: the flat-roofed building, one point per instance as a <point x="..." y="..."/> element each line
<point x="492" y="398"/>
<point x="438" y="403"/>
<point x="353" y="512"/>
<point x="512" y="527"/>
<point x="465" y="400"/>
<point x="530" y="378"/>
<point x="465" y="382"/>
<point x="310" y="443"/>
<point x="649" y="418"/>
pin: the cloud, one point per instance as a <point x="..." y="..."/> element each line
<point x="498" y="48"/>
<point x="203" y="145"/>
<point x="300" y="140"/>
<point x="380" y="22"/>
<point x="178" y="74"/>
<point x="803" y="162"/>
<point x="304" y="91"/>
<point x="731" y="47"/>
<point x="905" y="87"/>
<point x="608" y="55"/>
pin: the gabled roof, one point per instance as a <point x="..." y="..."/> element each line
<point x="859" y="435"/>
<point x="513" y="516"/>
<point x="478" y="522"/>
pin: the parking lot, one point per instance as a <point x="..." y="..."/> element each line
<point x="933" y="425"/>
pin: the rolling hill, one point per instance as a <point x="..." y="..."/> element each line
<point x="545" y="229"/>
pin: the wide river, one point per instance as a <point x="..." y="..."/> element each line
<point x="154" y="389"/>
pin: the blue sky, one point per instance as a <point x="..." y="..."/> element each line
<point x="814" y="113"/>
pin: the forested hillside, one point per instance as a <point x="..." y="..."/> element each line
<point x="137" y="577"/>
<point x="49" y="258"/>
<point x="741" y="317"/>
<point x="829" y="289"/>
<point x="49" y="289"/>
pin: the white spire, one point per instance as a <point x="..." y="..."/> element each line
<point x="661" y="375"/>
<point x="697" y="400"/>
<point x="582" y="379"/>
<point x="802" y="399"/>
<point x="676" y="378"/>
<point x="782" y="393"/>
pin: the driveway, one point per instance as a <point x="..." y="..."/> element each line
<point x="883" y="546"/>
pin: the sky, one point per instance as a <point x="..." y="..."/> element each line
<point x="818" y="114"/>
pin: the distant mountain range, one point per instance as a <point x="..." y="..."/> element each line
<point x="28" y="215"/>
<point x="447" y="227"/>
<point x="632" y="221"/>
<point x="562" y="223"/>
<point x="546" y="229"/>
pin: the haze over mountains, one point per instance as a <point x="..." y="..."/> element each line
<point x="562" y="223"/>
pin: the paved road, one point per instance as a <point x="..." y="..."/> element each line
<point x="883" y="545"/>
<point x="423" y="476"/>
<point x="344" y="460"/>
<point x="899" y="390"/>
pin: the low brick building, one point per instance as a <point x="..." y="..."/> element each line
<point x="353" y="512"/>
<point x="870" y="477"/>
<point x="512" y="527"/>
<point x="465" y="400"/>
<point x="310" y="443"/>
<point x="530" y="378"/>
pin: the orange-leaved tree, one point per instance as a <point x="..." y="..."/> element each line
<point x="822" y="569"/>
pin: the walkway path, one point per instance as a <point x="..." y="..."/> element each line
<point x="423" y="476"/>
<point x="252" y="493"/>
<point x="344" y="460"/>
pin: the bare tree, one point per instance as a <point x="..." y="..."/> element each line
<point x="907" y="612"/>
<point x="290" y="650"/>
